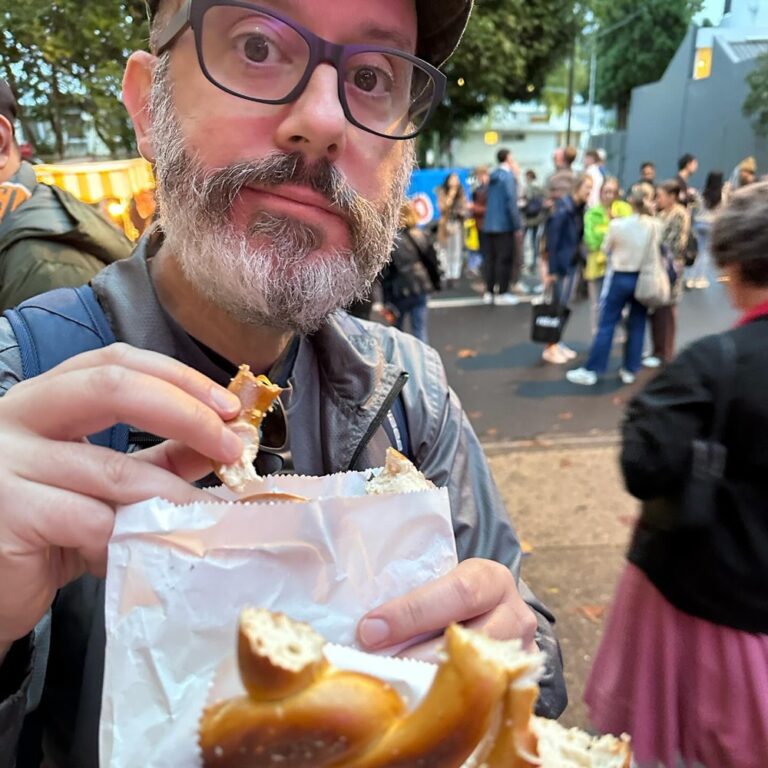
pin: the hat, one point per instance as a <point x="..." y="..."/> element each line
<point x="441" y="26"/>
<point x="8" y="107"/>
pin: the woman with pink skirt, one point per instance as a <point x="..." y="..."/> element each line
<point x="683" y="664"/>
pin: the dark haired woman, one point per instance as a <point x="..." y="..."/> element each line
<point x="683" y="663"/>
<point x="452" y="202"/>
<point x="712" y="197"/>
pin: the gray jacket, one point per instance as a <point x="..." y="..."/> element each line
<point x="344" y="376"/>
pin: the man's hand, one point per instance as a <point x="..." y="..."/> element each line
<point x="481" y="594"/>
<point x="58" y="493"/>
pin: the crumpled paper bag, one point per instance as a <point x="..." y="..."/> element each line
<point x="178" y="577"/>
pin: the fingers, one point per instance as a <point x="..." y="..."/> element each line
<point x="99" y="473"/>
<point x="83" y="402"/>
<point x="178" y="459"/>
<point x="474" y="588"/>
<point x="159" y="366"/>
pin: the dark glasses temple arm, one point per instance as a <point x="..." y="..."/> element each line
<point x="176" y="27"/>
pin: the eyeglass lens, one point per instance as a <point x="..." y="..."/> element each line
<point x="258" y="56"/>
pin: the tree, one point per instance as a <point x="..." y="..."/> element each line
<point x="639" y="51"/>
<point x="756" y="103"/>
<point x="507" y="51"/>
<point x="66" y="59"/>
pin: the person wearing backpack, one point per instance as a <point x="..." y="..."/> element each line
<point x="532" y="209"/>
<point x="48" y="238"/>
<point x="411" y="275"/>
<point x="271" y="218"/>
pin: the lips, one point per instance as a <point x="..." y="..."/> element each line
<point x="300" y="195"/>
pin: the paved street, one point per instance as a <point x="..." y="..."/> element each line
<point x="553" y="448"/>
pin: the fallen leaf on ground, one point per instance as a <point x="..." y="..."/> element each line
<point x="553" y="591"/>
<point x="525" y="547"/>
<point x="565" y="463"/>
<point x="618" y="401"/>
<point x="567" y="416"/>
<point x="463" y="354"/>
<point x="492" y="432"/>
<point x="593" y="613"/>
<point x="449" y="347"/>
<point x="475" y="414"/>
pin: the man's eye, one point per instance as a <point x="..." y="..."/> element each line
<point x="256" y="48"/>
<point x="372" y="80"/>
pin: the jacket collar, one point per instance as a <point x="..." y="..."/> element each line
<point x="761" y="310"/>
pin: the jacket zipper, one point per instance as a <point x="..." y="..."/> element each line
<point x="378" y="420"/>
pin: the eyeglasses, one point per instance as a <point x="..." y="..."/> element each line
<point x="259" y="55"/>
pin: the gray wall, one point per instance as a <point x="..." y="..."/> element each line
<point x="679" y="114"/>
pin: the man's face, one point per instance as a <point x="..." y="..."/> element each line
<point x="693" y="166"/>
<point x="648" y="173"/>
<point x="279" y="213"/>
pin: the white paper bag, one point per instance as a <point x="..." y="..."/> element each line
<point x="179" y="576"/>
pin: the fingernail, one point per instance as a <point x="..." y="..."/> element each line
<point x="224" y="400"/>
<point x="231" y="444"/>
<point x="374" y="632"/>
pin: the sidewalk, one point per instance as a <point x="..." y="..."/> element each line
<point x="567" y="501"/>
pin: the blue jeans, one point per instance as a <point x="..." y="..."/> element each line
<point x="416" y="308"/>
<point x="619" y="292"/>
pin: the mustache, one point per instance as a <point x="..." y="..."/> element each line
<point x="221" y="188"/>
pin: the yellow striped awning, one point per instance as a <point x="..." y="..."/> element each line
<point x="93" y="182"/>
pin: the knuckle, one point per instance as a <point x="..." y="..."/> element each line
<point x="108" y="379"/>
<point x="467" y="589"/>
<point x="414" y="612"/>
<point x="118" y="470"/>
<point x="118" y="353"/>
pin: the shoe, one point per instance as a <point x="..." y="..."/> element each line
<point x="568" y="353"/>
<point x="537" y="289"/>
<point x="652" y="362"/>
<point x="702" y="283"/>
<point x="508" y="299"/>
<point x="582" y="377"/>
<point x="521" y="287"/>
<point x="626" y="377"/>
<point x="487" y="298"/>
<point x="690" y="285"/>
<point x="553" y="355"/>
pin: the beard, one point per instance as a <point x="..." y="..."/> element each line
<point x="278" y="271"/>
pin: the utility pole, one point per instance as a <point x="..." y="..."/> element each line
<point x="571" y="74"/>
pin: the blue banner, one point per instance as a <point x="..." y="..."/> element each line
<point x="423" y="190"/>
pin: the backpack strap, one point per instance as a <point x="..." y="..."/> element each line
<point x="60" y="324"/>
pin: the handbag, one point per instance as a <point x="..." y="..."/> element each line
<point x="695" y="507"/>
<point x="653" y="289"/>
<point x="548" y="320"/>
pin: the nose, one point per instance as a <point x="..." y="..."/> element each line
<point x="315" y="124"/>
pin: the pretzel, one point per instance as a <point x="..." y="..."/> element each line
<point x="257" y="396"/>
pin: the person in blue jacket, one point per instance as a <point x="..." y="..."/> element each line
<point x="564" y="234"/>
<point x="503" y="233"/>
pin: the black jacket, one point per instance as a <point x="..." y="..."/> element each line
<point x="413" y="269"/>
<point x="718" y="572"/>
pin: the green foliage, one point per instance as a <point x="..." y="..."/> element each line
<point x="554" y="94"/>
<point x="509" y="47"/>
<point x="756" y="103"/>
<point x="66" y="58"/>
<point x="639" y="51"/>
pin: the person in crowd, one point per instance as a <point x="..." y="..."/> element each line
<point x="564" y="238"/>
<point x="561" y="182"/>
<point x="687" y="166"/>
<point x="747" y="172"/>
<point x="503" y="233"/>
<point x="262" y="235"/>
<point x="453" y="207"/>
<point x="675" y="229"/>
<point x="477" y="208"/>
<point x="596" y="222"/>
<point x="712" y="198"/>
<point x="647" y="178"/>
<point x="532" y="208"/>
<point x="48" y="238"/>
<point x="628" y="245"/>
<point x="682" y="663"/>
<point x="411" y="275"/>
<point x="593" y="167"/>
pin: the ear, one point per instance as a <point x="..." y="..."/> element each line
<point x="137" y="86"/>
<point x="8" y="154"/>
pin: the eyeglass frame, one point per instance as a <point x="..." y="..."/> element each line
<point x="321" y="51"/>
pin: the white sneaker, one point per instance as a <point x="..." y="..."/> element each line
<point x="521" y="287"/>
<point x="652" y="362"/>
<point x="487" y="298"/>
<point x="582" y="376"/>
<point x="626" y="377"/>
<point x="702" y="283"/>
<point x="568" y="353"/>
<point x="553" y="355"/>
<point x="507" y="299"/>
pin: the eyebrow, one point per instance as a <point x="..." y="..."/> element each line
<point x="386" y="36"/>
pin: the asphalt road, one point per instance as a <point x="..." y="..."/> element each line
<point x="510" y="394"/>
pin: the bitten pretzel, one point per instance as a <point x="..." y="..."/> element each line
<point x="257" y="396"/>
<point x="302" y="713"/>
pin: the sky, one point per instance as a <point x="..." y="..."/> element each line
<point x="712" y="10"/>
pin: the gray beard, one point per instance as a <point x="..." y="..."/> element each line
<point x="280" y="272"/>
